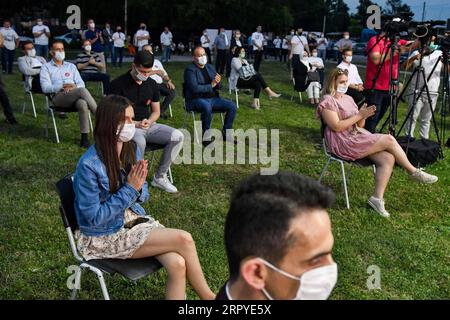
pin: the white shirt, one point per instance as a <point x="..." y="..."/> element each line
<point x="257" y="38"/>
<point x="353" y="74"/>
<point x="42" y="39"/>
<point x="142" y="33"/>
<point x="166" y="38"/>
<point x="316" y="60"/>
<point x="298" y="44"/>
<point x="10" y="37"/>
<point x="285" y="44"/>
<point x="157" y="65"/>
<point x="277" y="42"/>
<point x="428" y="64"/>
<point x="323" y="45"/>
<point x="206" y="42"/>
<point x="119" y="39"/>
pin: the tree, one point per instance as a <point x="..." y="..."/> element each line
<point x="361" y="11"/>
<point x="397" y="7"/>
<point x="338" y="18"/>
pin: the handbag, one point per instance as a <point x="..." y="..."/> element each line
<point x="246" y="72"/>
<point x="420" y="152"/>
<point x="313" y="76"/>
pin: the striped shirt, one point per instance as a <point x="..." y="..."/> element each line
<point x="83" y="58"/>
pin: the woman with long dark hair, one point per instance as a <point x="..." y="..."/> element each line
<point x="110" y="184"/>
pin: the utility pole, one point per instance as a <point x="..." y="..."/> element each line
<point x="423" y="11"/>
<point x="125" y="27"/>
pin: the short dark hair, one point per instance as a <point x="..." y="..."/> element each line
<point x="261" y="210"/>
<point x="346" y="49"/>
<point x="55" y="42"/>
<point x="25" y="43"/>
<point x="237" y="51"/>
<point x="144" y="58"/>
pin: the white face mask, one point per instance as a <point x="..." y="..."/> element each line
<point x="40" y="23"/>
<point x="315" y="284"/>
<point x="203" y="60"/>
<point x="242" y="55"/>
<point x="348" y="59"/>
<point x="346" y="37"/>
<point x="92" y="25"/>
<point x="88" y="48"/>
<point x="314" y="54"/>
<point x="342" y="89"/>
<point x="60" y="56"/>
<point x="127" y="132"/>
<point x="31" y="53"/>
<point x="140" y="76"/>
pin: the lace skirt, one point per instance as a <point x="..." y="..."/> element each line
<point x="120" y="245"/>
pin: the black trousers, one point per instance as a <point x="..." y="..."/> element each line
<point x="258" y="59"/>
<point x="4" y="100"/>
<point x="283" y="55"/>
<point x="208" y="53"/>
<point x="97" y="77"/>
<point x="7" y="59"/>
<point x="357" y="96"/>
<point x="221" y="61"/>
<point x="168" y="94"/>
<point x="256" y="82"/>
<point x="381" y="99"/>
<point x="300" y="73"/>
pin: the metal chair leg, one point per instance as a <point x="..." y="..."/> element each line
<point x="90" y="122"/>
<point x="347" y="202"/>
<point x="33" y="105"/>
<point x="300" y="96"/>
<point x="195" y="129"/>
<point x="170" y="110"/>
<point x="237" y="98"/>
<point x="221" y="116"/>
<point x="54" y="125"/>
<point x="170" y="175"/>
<point x="325" y="169"/>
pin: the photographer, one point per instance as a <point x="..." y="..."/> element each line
<point x="378" y="63"/>
<point x="422" y="106"/>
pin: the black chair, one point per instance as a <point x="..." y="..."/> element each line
<point x="132" y="269"/>
<point x="51" y="109"/>
<point x="153" y="147"/>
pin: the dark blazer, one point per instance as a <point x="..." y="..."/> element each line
<point x="193" y="81"/>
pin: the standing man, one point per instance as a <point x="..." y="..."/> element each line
<point x="95" y="37"/>
<point x="344" y="43"/>
<point x="166" y="44"/>
<point x="119" y="44"/>
<point x="142" y="36"/>
<point x="322" y="47"/>
<point x="258" y="49"/>
<point x="41" y="35"/>
<point x="107" y="34"/>
<point x="10" y="44"/>
<point x="221" y="43"/>
<point x="4" y="100"/>
<point x="206" y="44"/>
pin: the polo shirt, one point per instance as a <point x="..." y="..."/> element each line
<point x="141" y="95"/>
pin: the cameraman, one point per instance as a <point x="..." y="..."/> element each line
<point x="422" y="106"/>
<point x="378" y="57"/>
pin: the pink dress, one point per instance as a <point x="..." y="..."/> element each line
<point x="350" y="144"/>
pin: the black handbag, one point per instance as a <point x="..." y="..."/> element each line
<point x="313" y="76"/>
<point x="420" y="152"/>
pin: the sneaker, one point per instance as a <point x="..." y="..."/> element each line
<point x="164" y="184"/>
<point x="275" y="96"/>
<point x="378" y="206"/>
<point x="423" y="177"/>
<point x="253" y="106"/>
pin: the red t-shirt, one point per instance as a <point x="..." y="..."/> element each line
<point x="381" y="47"/>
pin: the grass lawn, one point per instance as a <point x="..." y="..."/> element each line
<point x="411" y="248"/>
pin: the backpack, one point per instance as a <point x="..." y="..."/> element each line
<point x="420" y="152"/>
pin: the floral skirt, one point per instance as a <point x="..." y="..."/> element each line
<point x="120" y="245"/>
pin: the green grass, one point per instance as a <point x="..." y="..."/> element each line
<point x="411" y="248"/>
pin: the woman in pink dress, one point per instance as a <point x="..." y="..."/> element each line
<point x="347" y="139"/>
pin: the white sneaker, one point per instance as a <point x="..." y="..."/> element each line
<point x="164" y="184"/>
<point x="423" y="177"/>
<point x="378" y="206"/>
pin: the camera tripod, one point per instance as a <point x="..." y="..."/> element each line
<point x="420" y="78"/>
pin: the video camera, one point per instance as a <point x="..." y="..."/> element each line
<point x="397" y="24"/>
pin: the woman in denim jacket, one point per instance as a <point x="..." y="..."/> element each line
<point x="110" y="184"/>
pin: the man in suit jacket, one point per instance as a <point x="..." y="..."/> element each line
<point x="30" y="66"/>
<point x="201" y="91"/>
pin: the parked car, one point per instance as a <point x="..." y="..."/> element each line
<point x="359" y="48"/>
<point x="68" y="37"/>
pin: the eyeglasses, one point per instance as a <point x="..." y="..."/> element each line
<point x="342" y="71"/>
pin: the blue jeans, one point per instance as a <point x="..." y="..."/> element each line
<point x="207" y="106"/>
<point x="41" y="50"/>
<point x="323" y="54"/>
<point x="109" y="49"/>
<point x="381" y="100"/>
<point x="165" y="54"/>
<point x="7" y="59"/>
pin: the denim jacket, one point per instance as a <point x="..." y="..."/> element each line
<point x="98" y="211"/>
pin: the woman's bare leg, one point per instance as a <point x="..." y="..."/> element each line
<point x="384" y="162"/>
<point x="176" y="270"/>
<point x="167" y="240"/>
<point x="389" y="144"/>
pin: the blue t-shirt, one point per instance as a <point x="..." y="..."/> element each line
<point x="97" y="46"/>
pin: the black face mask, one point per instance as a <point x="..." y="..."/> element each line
<point x="142" y="28"/>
